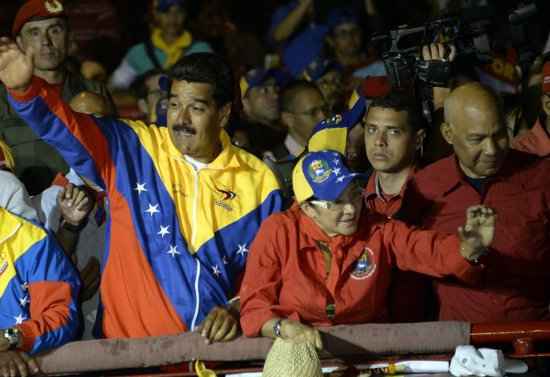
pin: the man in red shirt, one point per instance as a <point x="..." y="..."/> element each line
<point x="327" y="261"/>
<point x="483" y="171"/>
<point x="394" y="139"/>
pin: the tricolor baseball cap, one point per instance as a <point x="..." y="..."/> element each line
<point x="546" y="77"/>
<point x="37" y="9"/>
<point x="332" y="133"/>
<point x="322" y="175"/>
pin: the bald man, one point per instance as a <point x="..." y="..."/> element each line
<point x="483" y="170"/>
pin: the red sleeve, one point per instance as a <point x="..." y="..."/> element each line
<point x="535" y="141"/>
<point x="428" y="252"/>
<point x="50" y="305"/>
<point x="262" y="280"/>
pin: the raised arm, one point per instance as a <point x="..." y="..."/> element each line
<point x="85" y="142"/>
<point x="441" y="255"/>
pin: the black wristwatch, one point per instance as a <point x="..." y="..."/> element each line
<point x="277" y="328"/>
<point x="12" y="335"/>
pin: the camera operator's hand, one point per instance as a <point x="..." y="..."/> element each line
<point x="439" y="51"/>
<point x="444" y="53"/>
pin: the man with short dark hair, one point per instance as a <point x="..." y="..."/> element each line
<point x="483" y="170"/>
<point x="184" y="203"/>
<point x="302" y="107"/>
<point x="42" y="25"/>
<point x="261" y="110"/>
<point x="394" y="139"/>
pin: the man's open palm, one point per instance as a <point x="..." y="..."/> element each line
<point x="15" y="67"/>
<point x="478" y="232"/>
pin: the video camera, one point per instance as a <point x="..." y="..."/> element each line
<point x="468" y="31"/>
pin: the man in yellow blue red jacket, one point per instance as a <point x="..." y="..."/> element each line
<point x="184" y="203"/>
<point x="38" y="294"/>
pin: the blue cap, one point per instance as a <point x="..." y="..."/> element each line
<point x="318" y="67"/>
<point x="323" y="175"/>
<point x="340" y="16"/>
<point x="164" y="5"/>
<point x="258" y="76"/>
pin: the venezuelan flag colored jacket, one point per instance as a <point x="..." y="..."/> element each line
<point x="38" y="285"/>
<point x="177" y="238"/>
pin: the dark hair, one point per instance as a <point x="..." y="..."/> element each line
<point x="208" y="68"/>
<point x="289" y="93"/>
<point x="398" y="101"/>
<point x="139" y="87"/>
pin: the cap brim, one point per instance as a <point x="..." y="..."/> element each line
<point x="334" y="194"/>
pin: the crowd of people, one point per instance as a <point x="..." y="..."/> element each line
<point x="185" y="189"/>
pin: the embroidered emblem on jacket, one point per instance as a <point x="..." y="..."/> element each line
<point x="365" y="266"/>
<point x="228" y="195"/>
<point x="3" y="265"/>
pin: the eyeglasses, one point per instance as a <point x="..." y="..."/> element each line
<point x="354" y="196"/>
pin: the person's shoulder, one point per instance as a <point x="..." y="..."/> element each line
<point x="7" y="178"/>
<point x="283" y="222"/>
<point x="435" y="176"/>
<point x="136" y="50"/>
<point x="199" y="46"/>
<point x="250" y="162"/>
<point x="24" y="231"/>
<point x="530" y="169"/>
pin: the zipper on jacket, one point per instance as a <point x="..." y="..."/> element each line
<point x="197" y="296"/>
<point x="195" y="205"/>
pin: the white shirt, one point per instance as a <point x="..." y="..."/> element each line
<point x="14" y="197"/>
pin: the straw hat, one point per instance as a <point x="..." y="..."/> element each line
<point x="291" y="359"/>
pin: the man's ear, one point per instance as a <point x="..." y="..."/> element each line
<point x="225" y="113"/>
<point x="246" y="105"/>
<point x="19" y="41"/>
<point x="142" y="106"/>
<point x="447" y="132"/>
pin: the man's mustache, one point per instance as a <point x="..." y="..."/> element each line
<point x="184" y="128"/>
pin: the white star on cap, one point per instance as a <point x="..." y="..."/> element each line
<point x="224" y="259"/>
<point x="152" y="209"/>
<point x="336" y="171"/>
<point x="163" y="231"/>
<point x="24" y="301"/>
<point x="216" y="271"/>
<point x="25" y="286"/>
<point x="19" y="319"/>
<point x="242" y="250"/>
<point x="341" y="179"/>
<point x="140" y="187"/>
<point x="173" y="251"/>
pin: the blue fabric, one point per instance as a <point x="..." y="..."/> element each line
<point x="327" y="174"/>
